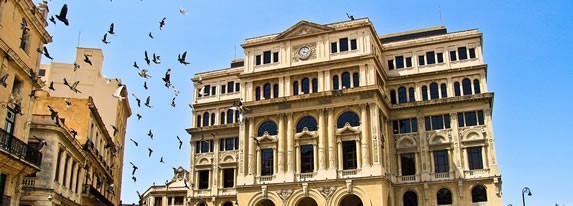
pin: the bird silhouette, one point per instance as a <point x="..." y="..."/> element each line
<point x="134" y="142"/>
<point x="180" y="142"/>
<point x="117" y="93"/>
<point x="135" y="65"/>
<point x="111" y="31"/>
<point x="76" y="66"/>
<point x="73" y="86"/>
<point x="182" y="11"/>
<point x="181" y="58"/>
<point x="147" y="58"/>
<point x="134" y="167"/>
<point x="62" y="16"/>
<point x="87" y="60"/>
<point x="47" y="54"/>
<point x="104" y="40"/>
<point x="53" y="113"/>
<point x="167" y="78"/>
<point x="143" y="73"/>
<point x="134" y="179"/>
<point x="68" y="103"/>
<point x="52" y="19"/>
<point x="3" y="80"/>
<point x="138" y="116"/>
<point x="51" y="87"/>
<point x="148" y="102"/>
<point x="137" y="100"/>
<point x="145" y="85"/>
<point x="150" y="151"/>
<point x="161" y="160"/>
<point x="150" y="134"/>
<point x="150" y="35"/>
<point x="350" y="16"/>
<point x="156" y="59"/>
<point x="175" y="91"/>
<point x="162" y="23"/>
<point x="114" y="129"/>
<point x="139" y="195"/>
<point x="173" y="102"/>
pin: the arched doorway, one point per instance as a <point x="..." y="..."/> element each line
<point x="351" y="200"/>
<point x="266" y="202"/>
<point x="228" y="204"/>
<point x="410" y="199"/>
<point x="202" y="204"/>
<point x="307" y="201"/>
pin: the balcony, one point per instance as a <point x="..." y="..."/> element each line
<point x="306" y="176"/>
<point x="266" y="178"/>
<point x="477" y="173"/>
<point x="230" y="191"/>
<point x="29" y="182"/>
<point x="91" y="191"/>
<point x="348" y="172"/>
<point x="442" y="176"/>
<point x="5" y="201"/>
<point x="20" y="149"/>
<point x="407" y="179"/>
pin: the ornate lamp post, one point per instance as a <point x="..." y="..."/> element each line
<point x="523" y="191"/>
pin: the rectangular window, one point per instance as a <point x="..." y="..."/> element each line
<point x="390" y="64"/>
<point x="306" y="158"/>
<point x="258" y="60"/>
<point x="408" y="162"/>
<point x="178" y="200"/>
<point x="343" y="44"/>
<point x="399" y="62"/>
<point x="333" y="47"/>
<point x="236" y="143"/>
<point x="408" y="61"/>
<point x="472" y="52"/>
<point x="353" y="44"/>
<point x="475" y="160"/>
<point x="228" y="178"/>
<point x="275" y="57"/>
<point x="437" y="122"/>
<point x="230" y="87"/>
<point x="266" y="57"/>
<point x="206" y="90"/>
<point x="213" y="90"/>
<point x="223" y="89"/>
<point x="405" y="126"/>
<point x="440" y="57"/>
<point x="461" y="119"/>
<point x="349" y="154"/>
<point x="204" y="179"/>
<point x="42" y="72"/>
<point x="266" y="162"/>
<point x="462" y="53"/>
<point x="470" y="118"/>
<point x="237" y="87"/>
<point x="204" y="146"/>
<point x="158" y="201"/>
<point x="441" y="161"/>
<point x="428" y="123"/>
<point x="480" y="118"/>
<point x="453" y="56"/>
<point x="421" y="60"/>
<point x="221" y="145"/>
<point x="431" y="58"/>
<point x="229" y="144"/>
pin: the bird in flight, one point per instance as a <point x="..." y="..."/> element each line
<point x="350" y="16"/>
<point x="134" y="167"/>
<point x="182" y="11"/>
<point x="150" y="35"/>
<point x="135" y="65"/>
<point x="181" y="58"/>
<point x="167" y="78"/>
<point x="3" y="80"/>
<point x="76" y="66"/>
<point x="111" y="31"/>
<point x="87" y="60"/>
<point x="180" y="142"/>
<point x="134" y="179"/>
<point x="134" y="142"/>
<point x="62" y="16"/>
<point x="104" y="40"/>
<point x="117" y="93"/>
<point x="138" y="116"/>
<point x="150" y="134"/>
<point x="52" y="19"/>
<point x="161" y="160"/>
<point x="51" y="87"/>
<point x="173" y="102"/>
<point x="73" y="86"/>
<point x="147" y="58"/>
<point x="114" y="129"/>
<point x="137" y="100"/>
<point x="47" y="54"/>
<point x="156" y="59"/>
<point x="162" y="23"/>
<point x="145" y="85"/>
<point x="150" y="151"/>
<point x="148" y="102"/>
<point x="143" y="73"/>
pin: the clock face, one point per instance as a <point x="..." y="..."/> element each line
<point x="304" y="52"/>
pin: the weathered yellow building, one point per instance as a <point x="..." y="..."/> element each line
<point x="22" y="31"/>
<point x="336" y="114"/>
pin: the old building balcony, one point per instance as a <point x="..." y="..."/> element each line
<point x="305" y="176"/>
<point x="477" y="173"/>
<point x="230" y="191"/>
<point x="5" y="200"/>
<point x="89" y="190"/>
<point x="29" y="182"/>
<point x="408" y="179"/>
<point x="348" y="173"/>
<point x="266" y="178"/>
<point x="437" y="176"/>
<point x="19" y="149"/>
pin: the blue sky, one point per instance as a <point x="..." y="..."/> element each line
<point x="525" y="47"/>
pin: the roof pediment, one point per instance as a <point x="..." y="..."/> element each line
<point x="303" y="28"/>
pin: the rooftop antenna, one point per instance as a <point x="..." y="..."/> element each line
<point x="440" y="11"/>
<point x="235" y="57"/>
<point x="79" y="35"/>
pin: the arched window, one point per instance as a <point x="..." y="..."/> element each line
<point x="434" y="93"/>
<point x="25" y="38"/>
<point x="266" y="202"/>
<point x="345" y="80"/>
<point x="295" y="88"/>
<point x="335" y="83"/>
<point x="228" y="204"/>
<point x="308" y="122"/>
<point x="402" y="98"/>
<point x="424" y="93"/>
<point x="356" y="79"/>
<point x="457" y="90"/>
<point x="275" y="91"/>
<point x="410" y="199"/>
<point x="305" y="84"/>
<point x="467" y="87"/>
<point x="444" y="90"/>
<point x="314" y="85"/>
<point x="268" y="126"/>
<point x="393" y="96"/>
<point x="222" y="117"/>
<point x="444" y="197"/>
<point x="229" y="116"/>
<point x="205" y="119"/>
<point x="351" y="200"/>
<point x="267" y="91"/>
<point x="479" y="194"/>
<point x="411" y="94"/>
<point x="198" y="122"/>
<point x="477" y="89"/>
<point x="258" y="93"/>
<point x="202" y="204"/>
<point x="350" y="117"/>
<point x="212" y="118"/>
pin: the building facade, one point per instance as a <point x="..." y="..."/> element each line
<point x="336" y="114"/>
<point x="22" y="31"/>
<point x="173" y="192"/>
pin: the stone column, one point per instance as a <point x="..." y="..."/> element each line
<point x="364" y="136"/>
<point x="331" y="140"/>
<point x="321" y="140"/>
<point x="63" y="156"/>
<point x="281" y="144"/>
<point x="290" y="147"/>
<point x="375" y="132"/>
<point x="251" y="146"/>
<point x="297" y="160"/>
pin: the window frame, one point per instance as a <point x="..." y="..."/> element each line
<point x="306" y="158"/>
<point x="203" y="179"/>
<point x="267" y="161"/>
<point x="408" y="164"/>
<point x="228" y="177"/>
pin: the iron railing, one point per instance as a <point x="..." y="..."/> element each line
<point x="20" y="149"/>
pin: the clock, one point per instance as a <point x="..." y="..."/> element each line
<point x="304" y="52"/>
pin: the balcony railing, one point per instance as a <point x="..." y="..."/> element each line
<point x="267" y="178"/>
<point x="347" y="172"/>
<point x="90" y="190"/>
<point x="20" y="149"/>
<point x="29" y="182"/>
<point x="442" y="175"/>
<point x="306" y="176"/>
<point x="477" y="173"/>
<point x="5" y="201"/>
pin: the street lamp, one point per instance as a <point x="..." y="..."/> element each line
<point x="523" y="191"/>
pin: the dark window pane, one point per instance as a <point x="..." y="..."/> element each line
<point x="335" y="82"/>
<point x="197" y="147"/>
<point x="343" y="44"/>
<point x="402" y="97"/>
<point x="223" y="89"/>
<point x="222" y="118"/>
<point x="472" y="53"/>
<point x="258" y="93"/>
<point x="421" y="60"/>
<point x="440" y="57"/>
<point x="390" y="64"/>
<point x="395" y="127"/>
<point x="350" y="117"/>
<point x="399" y="62"/>
<point x="447" y="121"/>
<point x="345" y="80"/>
<point x="204" y="179"/>
<point x="441" y="161"/>
<point x="430" y="56"/>
<point x="474" y="158"/>
<point x="275" y="57"/>
<point x="410" y="199"/>
<point x="205" y="146"/>
<point x="414" y="125"/>
<point x="314" y="85"/>
<point x="207" y="90"/>
<point x="236" y="143"/>
<point x="306" y="158"/>
<point x="333" y="47"/>
<point x="212" y="119"/>
<point x="404" y="126"/>
<point x="266" y="161"/>
<point x="228" y="178"/>
<point x="411" y="93"/>
<point x="205" y="119"/>
<point x="295" y="88"/>
<point x="258" y="60"/>
<point x="467" y="87"/>
<point x="471" y="119"/>
<point x="355" y="79"/>
<point x="428" y="123"/>
<point x="213" y="90"/>
<point x="198" y="121"/>
<point x="353" y="44"/>
<point x="462" y="53"/>
<point x="266" y="57"/>
<point x="308" y="122"/>
<point x="222" y="145"/>
<point x="211" y="146"/>
<point x="457" y="91"/>
<point x="461" y="119"/>
<point x="305" y="83"/>
<point x="424" y="93"/>
<point x="275" y="91"/>
<point x="42" y="72"/>
<point x="237" y="87"/>
<point x="229" y="144"/>
<point x="444" y="197"/>
<point x="408" y="61"/>
<point x="479" y="194"/>
<point x="236" y="115"/>
<point x="349" y="155"/>
<point x="444" y="90"/>
<point x="229" y="116"/>
<point x="393" y="96"/>
<point x="480" y="117"/>
<point x="230" y="87"/>
<point x="437" y="122"/>
<point x="434" y="94"/>
<point x="453" y="56"/>
<point x="477" y="89"/>
<point x="408" y="162"/>
<point x="267" y="91"/>
<point x="269" y="127"/>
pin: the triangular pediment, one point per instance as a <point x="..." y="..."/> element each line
<point x="303" y="28"/>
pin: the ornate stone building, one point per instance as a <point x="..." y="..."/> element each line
<point x="173" y="192"/>
<point x="336" y="114"/>
<point x="22" y="31"/>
